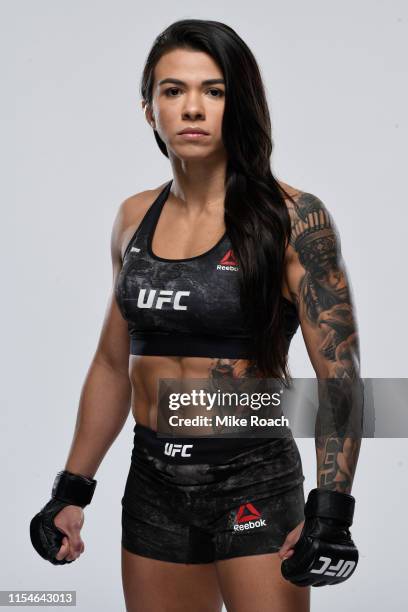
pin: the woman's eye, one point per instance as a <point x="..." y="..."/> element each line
<point x="171" y="89"/>
<point x="218" y="91"/>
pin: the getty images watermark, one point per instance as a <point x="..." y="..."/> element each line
<point x="265" y="407"/>
<point x="205" y="407"/>
<point x="218" y="402"/>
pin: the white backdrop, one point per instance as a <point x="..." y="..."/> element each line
<point x="76" y="144"/>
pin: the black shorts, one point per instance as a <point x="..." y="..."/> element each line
<point x="182" y="509"/>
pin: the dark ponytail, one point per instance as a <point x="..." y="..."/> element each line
<point x="256" y="216"/>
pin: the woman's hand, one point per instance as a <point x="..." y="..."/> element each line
<point x="286" y="549"/>
<point x="70" y="520"/>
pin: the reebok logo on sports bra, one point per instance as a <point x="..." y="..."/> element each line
<point x="184" y="307"/>
<point x="228" y="262"/>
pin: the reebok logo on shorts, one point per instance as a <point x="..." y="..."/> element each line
<point x="248" y="517"/>
<point x="228" y="262"/>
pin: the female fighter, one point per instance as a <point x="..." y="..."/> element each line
<point x="213" y="271"/>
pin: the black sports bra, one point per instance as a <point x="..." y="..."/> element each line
<point x="185" y="307"/>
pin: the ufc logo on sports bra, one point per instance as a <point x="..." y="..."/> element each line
<point x="343" y="568"/>
<point x="151" y="300"/>
<point x="173" y="449"/>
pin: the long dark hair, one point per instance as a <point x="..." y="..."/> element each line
<point x="256" y="217"/>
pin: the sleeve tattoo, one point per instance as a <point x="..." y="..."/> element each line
<point x="324" y="304"/>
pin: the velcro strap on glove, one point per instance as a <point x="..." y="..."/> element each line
<point x="324" y="503"/>
<point x="73" y="489"/>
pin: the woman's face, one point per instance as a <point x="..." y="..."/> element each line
<point x="186" y="100"/>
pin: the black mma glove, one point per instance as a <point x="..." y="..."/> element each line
<point x="67" y="489"/>
<point x="325" y="552"/>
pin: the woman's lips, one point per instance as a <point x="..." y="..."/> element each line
<point x="193" y="135"/>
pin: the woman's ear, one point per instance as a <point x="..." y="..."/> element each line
<point x="148" y="112"/>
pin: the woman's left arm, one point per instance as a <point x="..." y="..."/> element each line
<point x="316" y="277"/>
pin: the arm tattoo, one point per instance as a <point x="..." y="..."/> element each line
<point x="323" y="299"/>
<point x="336" y="462"/>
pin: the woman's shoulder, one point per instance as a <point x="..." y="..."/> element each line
<point x="307" y="213"/>
<point x="291" y="195"/>
<point x="131" y="212"/>
<point x="136" y="205"/>
<point x="302" y="202"/>
<point x="289" y="190"/>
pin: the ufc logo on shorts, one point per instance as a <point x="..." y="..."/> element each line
<point x="173" y="449"/>
<point x="343" y="568"/>
<point x="163" y="296"/>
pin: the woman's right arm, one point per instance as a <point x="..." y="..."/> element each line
<point x="106" y="393"/>
<point x="104" y="406"/>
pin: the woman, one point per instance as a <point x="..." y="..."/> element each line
<point x="212" y="273"/>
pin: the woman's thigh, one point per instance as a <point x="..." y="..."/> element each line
<point x="255" y="583"/>
<point x="150" y="585"/>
